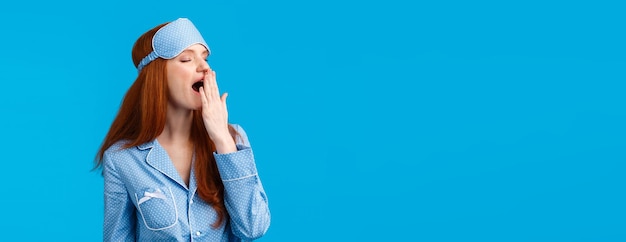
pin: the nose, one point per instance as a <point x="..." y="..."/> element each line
<point x="203" y="66"/>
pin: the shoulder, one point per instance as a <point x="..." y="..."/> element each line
<point x="119" y="154"/>
<point x="118" y="148"/>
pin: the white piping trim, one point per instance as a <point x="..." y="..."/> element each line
<point x="162" y="172"/>
<point x="240" y="178"/>
<point x="144" y="218"/>
<point x="189" y="214"/>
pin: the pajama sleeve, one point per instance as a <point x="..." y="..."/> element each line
<point x="244" y="196"/>
<point x="119" y="211"/>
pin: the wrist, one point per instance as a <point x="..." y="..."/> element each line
<point x="225" y="145"/>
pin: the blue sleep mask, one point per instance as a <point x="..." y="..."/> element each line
<point x="172" y="39"/>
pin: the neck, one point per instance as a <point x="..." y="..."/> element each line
<point x="177" y="128"/>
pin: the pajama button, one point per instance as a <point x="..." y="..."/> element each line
<point x="198" y="233"/>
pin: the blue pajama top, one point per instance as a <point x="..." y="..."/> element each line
<point x="145" y="199"/>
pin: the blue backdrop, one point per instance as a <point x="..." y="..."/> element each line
<point x="370" y="120"/>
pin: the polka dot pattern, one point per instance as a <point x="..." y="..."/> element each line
<point x="146" y="200"/>
<point x="172" y="39"/>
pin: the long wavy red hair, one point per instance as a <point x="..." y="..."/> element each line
<point x="142" y="116"/>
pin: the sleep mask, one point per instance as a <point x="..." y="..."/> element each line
<point x="172" y="39"/>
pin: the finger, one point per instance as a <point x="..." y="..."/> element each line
<point x="224" y="96"/>
<point x="216" y="91"/>
<point x="203" y="96"/>
<point x="207" y="85"/>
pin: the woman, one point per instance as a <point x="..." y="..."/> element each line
<point x="174" y="169"/>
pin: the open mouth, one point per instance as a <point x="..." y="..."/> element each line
<point x="196" y="86"/>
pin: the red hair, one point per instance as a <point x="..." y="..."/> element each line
<point x="142" y="116"/>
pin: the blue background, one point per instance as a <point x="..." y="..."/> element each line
<point x="370" y="120"/>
